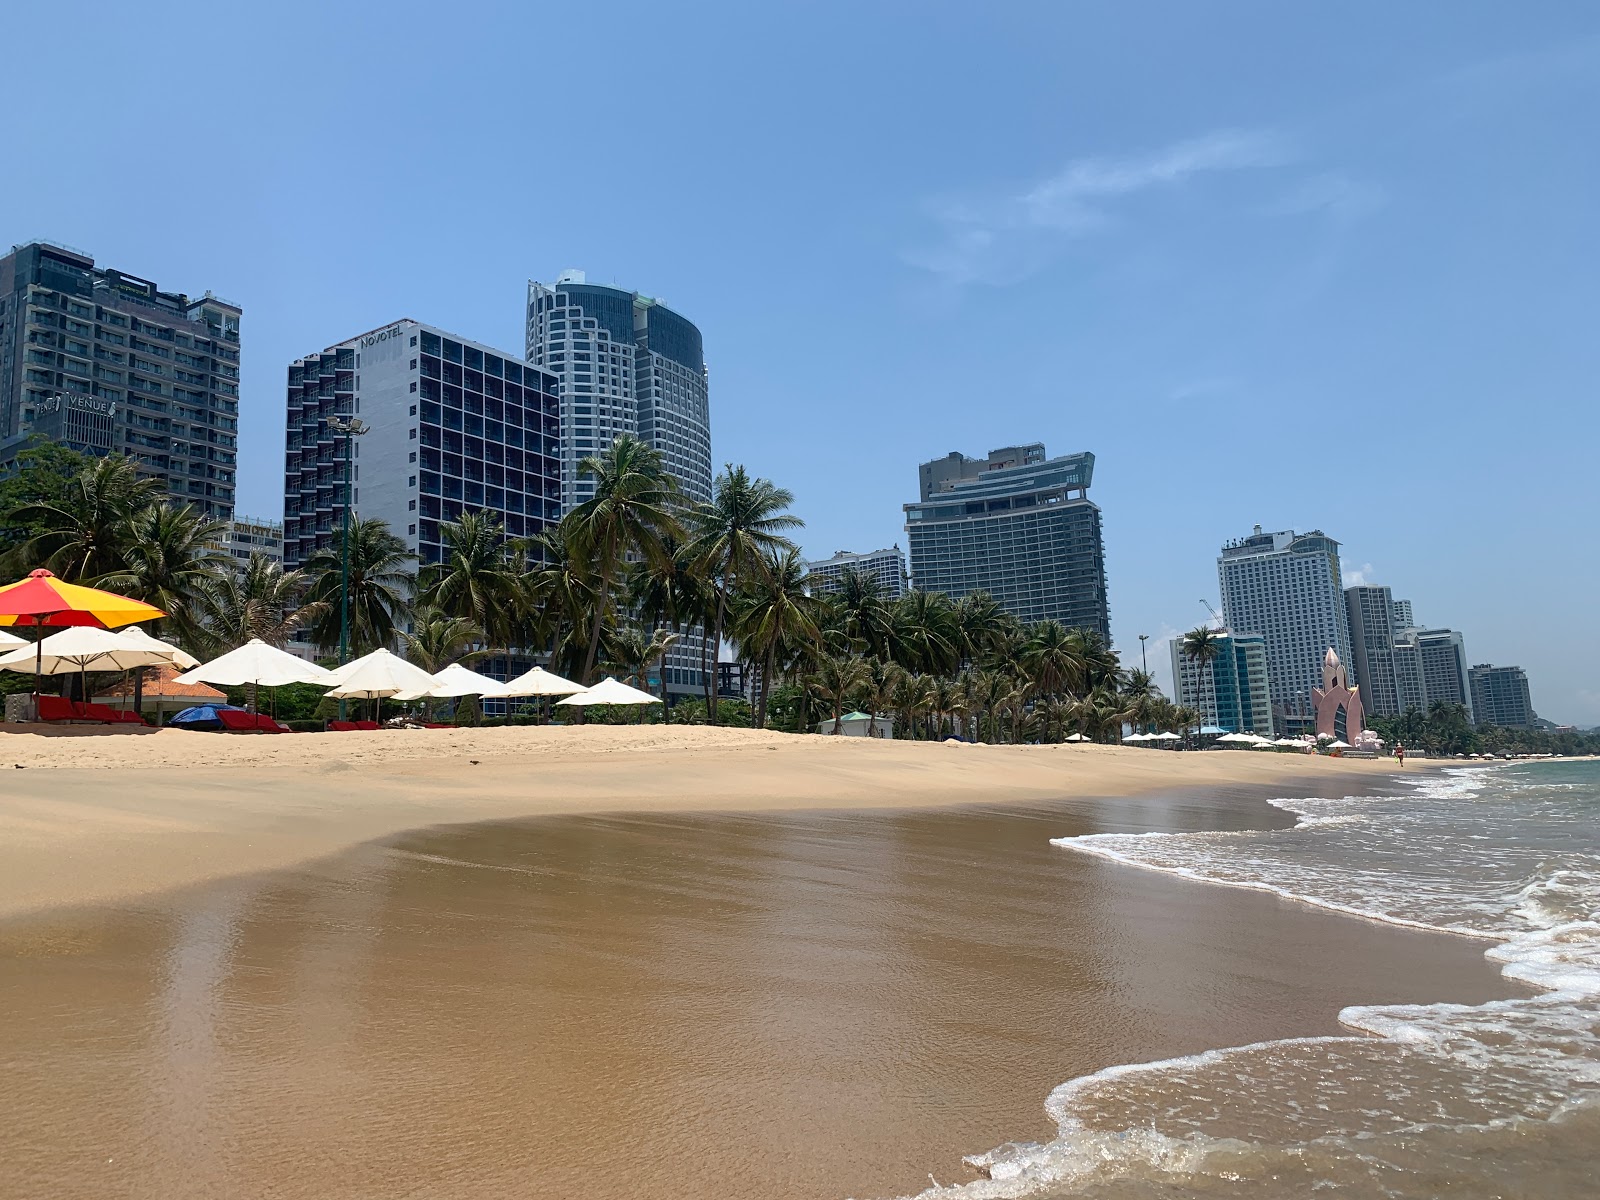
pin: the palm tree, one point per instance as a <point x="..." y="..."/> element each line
<point x="634" y="508"/>
<point x="478" y="577"/>
<point x="1201" y="646"/>
<point x="878" y="690"/>
<point x="380" y="590"/>
<point x="837" y="680"/>
<point x="437" y="639"/>
<point x="85" y="531"/>
<point x="923" y="634"/>
<point x="912" y="700"/>
<point x="562" y="592"/>
<point x="170" y="559"/>
<point x="862" y="612"/>
<point x="979" y="618"/>
<point x="263" y="601"/>
<point x="1054" y="658"/>
<point x="630" y="652"/>
<point x="673" y="591"/>
<point x="734" y="536"/>
<point x="773" y="617"/>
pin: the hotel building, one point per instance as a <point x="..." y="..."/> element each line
<point x="246" y="536"/>
<point x="108" y="363"/>
<point x="1017" y="525"/>
<point x="626" y="363"/>
<point x="1287" y="587"/>
<point x="888" y="567"/>
<point x="1231" y="691"/>
<point x="451" y="426"/>
<point x="1500" y="696"/>
<point x="1370" y="611"/>
<point x="1444" y="668"/>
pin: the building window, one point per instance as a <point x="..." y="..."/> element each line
<point x="412" y="528"/>
<point x="413" y="456"/>
<point x="413" y="342"/>
<point x="412" y="482"/>
<point x="413" y="434"/>
<point x="413" y="388"/>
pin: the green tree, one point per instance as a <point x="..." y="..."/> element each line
<point x="562" y="593"/>
<point x="673" y="591"/>
<point x="263" y="601"/>
<point x="39" y="476"/>
<point x="634" y="509"/>
<point x="631" y="652"/>
<point x="923" y="634"/>
<point x="1054" y="658"/>
<point x="171" y="557"/>
<point x="478" y="578"/>
<point x="1201" y="646"/>
<point x="861" y="612"/>
<point x="837" y="681"/>
<point x="380" y="587"/>
<point x="83" y="533"/>
<point x="774" y="618"/>
<point x="734" y="535"/>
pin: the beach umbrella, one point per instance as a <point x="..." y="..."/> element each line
<point x="256" y="663"/>
<point x="1165" y="737"/>
<point x="137" y="639"/>
<point x="1077" y="737"/>
<point x="537" y="682"/>
<point x="456" y="680"/>
<point x="78" y="648"/>
<point x="11" y="639"/>
<point x="42" y="599"/>
<point x="379" y="676"/>
<point x="202" y="716"/>
<point x="609" y="691"/>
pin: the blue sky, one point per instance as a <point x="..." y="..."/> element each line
<point x="1329" y="267"/>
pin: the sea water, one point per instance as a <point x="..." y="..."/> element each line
<point x="1419" y="1101"/>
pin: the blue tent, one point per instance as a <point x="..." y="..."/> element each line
<point x="203" y="716"/>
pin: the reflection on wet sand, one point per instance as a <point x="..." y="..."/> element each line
<point x="811" y="1005"/>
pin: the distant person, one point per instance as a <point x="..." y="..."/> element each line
<point x="1400" y="753"/>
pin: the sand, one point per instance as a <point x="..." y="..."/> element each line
<point x="94" y="817"/>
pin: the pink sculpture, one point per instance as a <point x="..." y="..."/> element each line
<point x="1337" y="705"/>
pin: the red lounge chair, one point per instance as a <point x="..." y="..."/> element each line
<point x="367" y="725"/>
<point x="341" y="726"/>
<point x="100" y="712"/>
<point x="57" y="708"/>
<point x="235" y="721"/>
<point x="126" y="716"/>
<point x="266" y="724"/>
<point x="436" y="725"/>
<point x="282" y="728"/>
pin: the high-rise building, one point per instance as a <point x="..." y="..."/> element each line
<point x="1370" y="611"/>
<point x="451" y="426"/>
<point x="626" y="364"/>
<point x="888" y="567"/>
<point x="1410" y="690"/>
<point x="246" y="536"/>
<point x="1231" y="691"/>
<point x="1500" y="697"/>
<point x="1402" y="615"/>
<point x="108" y="363"/>
<point x="1017" y="525"/>
<point x="1288" y="587"/>
<point x="1444" y="667"/>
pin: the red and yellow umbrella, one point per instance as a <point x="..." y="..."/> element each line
<point x="42" y="599"/>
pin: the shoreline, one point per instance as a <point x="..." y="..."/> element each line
<point x="94" y="819"/>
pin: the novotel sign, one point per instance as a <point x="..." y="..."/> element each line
<point x="383" y="335"/>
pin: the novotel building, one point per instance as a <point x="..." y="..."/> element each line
<point x="447" y="426"/>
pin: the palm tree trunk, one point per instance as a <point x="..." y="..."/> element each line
<point x="766" y="683"/>
<point x="706" y="683"/>
<point x="594" y="629"/>
<point x="716" y="643"/>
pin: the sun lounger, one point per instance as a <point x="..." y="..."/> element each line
<point x="58" y="708"/>
<point x="341" y="726"/>
<point x="103" y="713"/>
<point x="266" y="724"/>
<point x="367" y="725"/>
<point x="237" y="721"/>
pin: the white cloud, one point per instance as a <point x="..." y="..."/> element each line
<point x="1332" y="194"/>
<point x="1359" y="577"/>
<point x="1005" y="238"/>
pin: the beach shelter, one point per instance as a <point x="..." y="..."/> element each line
<point x="1133" y="737"/>
<point x="137" y="639"/>
<point x="1241" y="739"/>
<point x="11" y="639"/>
<point x="42" y="599"/>
<point x="1165" y="737"/>
<point x="609" y="691"/>
<point x="1076" y="737"/>
<point x="78" y="649"/>
<point x="163" y="693"/>
<point x="537" y="682"/>
<point x="257" y="663"/>
<point x="456" y="680"/>
<point x="379" y="676"/>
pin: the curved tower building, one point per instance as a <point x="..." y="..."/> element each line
<point x="627" y="364"/>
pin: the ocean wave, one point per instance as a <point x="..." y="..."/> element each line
<point x="1496" y="855"/>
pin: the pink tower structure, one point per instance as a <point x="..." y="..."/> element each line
<point x="1337" y="705"/>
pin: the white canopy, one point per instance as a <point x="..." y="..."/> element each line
<point x="257" y="662"/>
<point x="456" y="680"/>
<point x="609" y="691"/>
<point x="11" y="639"/>
<point x="1165" y="737"/>
<point x="1136" y="737"/>
<point x="537" y="682"/>
<point x="1074" y="737"/>
<point x="1246" y="739"/>
<point x="136" y="638"/>
<point x="1340" y="744"/>
<point x="1288" y="741"/>
<point x="380" y="675"/>
<point x="80" y="648"/>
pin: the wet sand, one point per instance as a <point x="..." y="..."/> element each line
<point x="783" y="1005"/>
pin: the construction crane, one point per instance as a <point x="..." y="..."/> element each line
<point x="1222" y="626"/>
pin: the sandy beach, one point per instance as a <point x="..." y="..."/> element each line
<point x="95" y="817"/>
<point x="620" y="962"/>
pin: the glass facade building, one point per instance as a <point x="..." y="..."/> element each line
<point x="1370" y="611"/>
<point x="452" y="426"/>
<point x="1018" y="525"/>
<point x="108" y="363"/>
<point x="1232" y="690"/>
<point x="1500" y="697"/>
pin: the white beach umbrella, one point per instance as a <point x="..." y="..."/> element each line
<point x="1243" y="739"/>
<point x="609" y="691"/>
<point x="1136" y="737"/>
<point x="380" y="675"/>
<point x="1340" y="744"/>
<point x="340" y="673"/>
<point x="11" y="639"/>
<point x="1074" y="737"/>
<point x="258" y="663"/>
<point x="455" y="680"/>
<point x="1165" y="737"/>
<point x="80" y="648"/>
<point x="537" y="682"/>
<point x="135" y="638"/>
